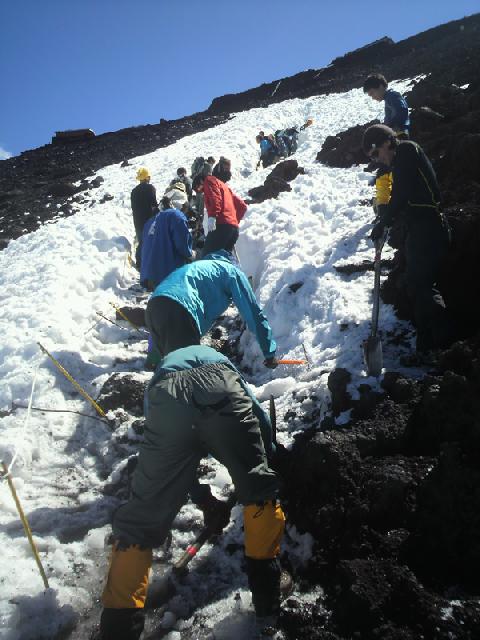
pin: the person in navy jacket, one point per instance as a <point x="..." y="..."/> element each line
<point x="166" y="244"/>
<point x="396" y="108"/>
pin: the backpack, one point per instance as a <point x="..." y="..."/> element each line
<point x="222" y="169"/>
<point x="201" y="167"/>
<point x="292" y="135"/>
<point x="283" y="149"/>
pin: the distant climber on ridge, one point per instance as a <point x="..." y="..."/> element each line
<point x="396" y="107"/>
<point x="415" y="196"/>
<point x="280" y="145"/>
<point x="144" y="205"/>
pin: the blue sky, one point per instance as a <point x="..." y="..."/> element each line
<point x="109" y="64"/>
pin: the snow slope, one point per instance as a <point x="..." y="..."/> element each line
<point x="55" y="280"/>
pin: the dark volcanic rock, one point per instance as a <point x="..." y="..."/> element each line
<point x="344" y="149"/>
<point x="276" y="181"/>
<point x="134" y="314"/>
<point x="59" y="189"/>
<point x="122" y="391"/>
<point x="337" y="385"/>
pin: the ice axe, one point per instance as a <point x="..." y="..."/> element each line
<point x="372" y="347"/>
<point x="191" y="551"/>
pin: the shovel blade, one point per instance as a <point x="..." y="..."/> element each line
<point x="373" y="355"/>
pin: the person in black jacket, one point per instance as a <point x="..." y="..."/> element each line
<point x="144" y="205"/>
<point x="416" y="197"/>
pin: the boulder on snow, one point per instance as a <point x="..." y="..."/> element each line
<point x="62" y="189"/>
<point x="277" y="181"/>
<point x="345" y="148"/>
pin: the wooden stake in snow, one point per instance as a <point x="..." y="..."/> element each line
<point x="81" y="391"/>
<point x="26" y="526"/>
<point x="120" y="313"/>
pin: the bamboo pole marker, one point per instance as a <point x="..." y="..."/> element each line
<point x="81" y="391"/>
<point x="7" y="476"/>
<point x="108" y="320"/>
<point x="120" y="313"/>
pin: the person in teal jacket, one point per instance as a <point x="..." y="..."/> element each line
<point x="196" y="404"/>
<point x="186" y="303"/>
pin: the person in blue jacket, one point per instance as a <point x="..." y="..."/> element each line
<point x="166" y="244"/>
<point x="186" y="303"/>
<point x="268" y="150"/>
<point x="396" y="107"/>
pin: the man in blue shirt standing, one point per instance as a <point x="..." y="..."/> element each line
<point x="396" y="108"/>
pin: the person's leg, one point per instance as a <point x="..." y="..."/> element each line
<point x="223" y="237"/>
<point x="426" y="248"/>
<point x="164" y="474"/>
<point x="170" y="325"/>
<point x="138" y="252"/>
<point x="232" y="435"/>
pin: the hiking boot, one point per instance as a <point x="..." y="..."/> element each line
<point x="266" y="628"/>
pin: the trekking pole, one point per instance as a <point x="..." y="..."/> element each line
<point x="192" y="549"/>
<point x="7" y="476"/>
<point x="273" y="419"/>
<point x="120" y="313"/>
<point x="286" y="361"/>
<point x="80" y="390"/>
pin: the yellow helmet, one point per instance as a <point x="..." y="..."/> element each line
<point x="143" y="174"/>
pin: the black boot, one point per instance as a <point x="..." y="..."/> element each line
<point x="121" y="624"/>
<point x="264" y="583"/>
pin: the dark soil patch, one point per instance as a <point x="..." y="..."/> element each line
<point x="122" y="391"/>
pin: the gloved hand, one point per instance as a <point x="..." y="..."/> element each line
<point x="216" y="514"/>
<point x="212" y="224"/>
<point x="271" y="363"/>
<point x="377" y="231"/>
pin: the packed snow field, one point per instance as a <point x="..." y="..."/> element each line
<point x="53" y="283"/>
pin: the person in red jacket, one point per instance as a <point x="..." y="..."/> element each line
<point x="224" y="209"/>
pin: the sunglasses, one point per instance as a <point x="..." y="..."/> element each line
<point x="373" y="153"/>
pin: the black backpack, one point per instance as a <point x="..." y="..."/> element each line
<point x="222" y="169"/>
<point x="201" y="167"/>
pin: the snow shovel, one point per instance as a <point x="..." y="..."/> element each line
<point x="372" y="347"/>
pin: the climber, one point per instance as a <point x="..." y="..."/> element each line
<point x="166" y="244"/>
<point x="182" y="177"/>
<point x="396" y="108"/>
<point x="268" y="150"/>
<point x="225" y="211"/>
<point x="144" y="205"/>
<point x="187" y="302"/>
<point x="196" y="404"/>
<point x="415" y="197"/>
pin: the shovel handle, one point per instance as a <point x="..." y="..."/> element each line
<point x="192" y="549"/>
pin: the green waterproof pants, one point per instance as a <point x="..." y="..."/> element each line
<point x="192" y="412"/>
